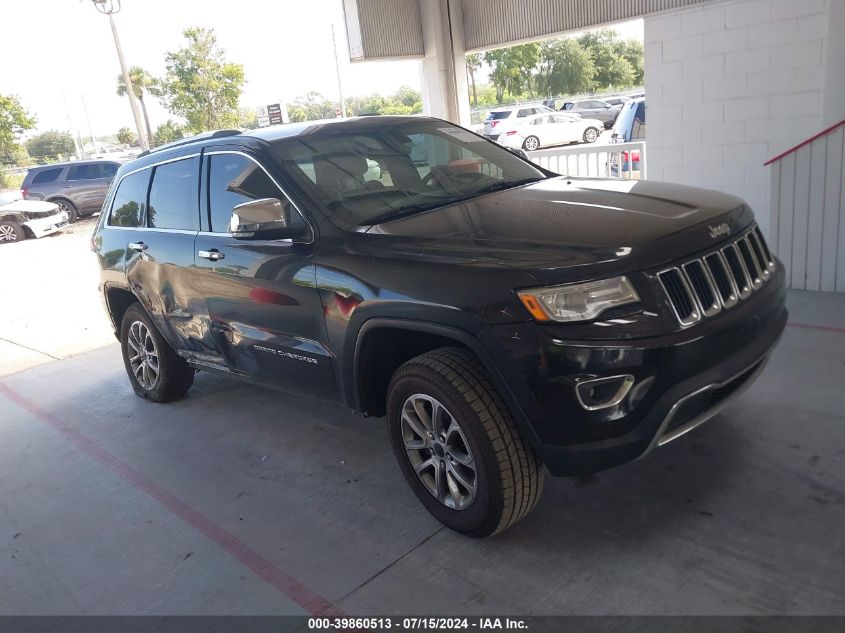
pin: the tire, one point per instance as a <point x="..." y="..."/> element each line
<point x="486" y="449"/>
<point x="531" y="143"/>
<point x="173" y="378"/>
<point x="591" y="135"/>
<point x="11" y="232"/>
<point x="68" y="207"/>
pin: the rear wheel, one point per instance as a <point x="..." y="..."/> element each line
<point x="531" y="143"/>
<point x="591" y="135"/>
<point x="155" y="371"/>
<point x="457" y="445"/>
<point x="68" y="207"/>
<point x="11" y="232"/>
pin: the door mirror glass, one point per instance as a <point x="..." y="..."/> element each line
<point x="263" y="219"/>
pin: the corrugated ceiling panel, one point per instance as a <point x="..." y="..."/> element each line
<point x="388" y="28"/>
<point x="494" y="23"/>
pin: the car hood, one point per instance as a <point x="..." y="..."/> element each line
<point x="556" y="227"/>
<point x="32" y="208"/>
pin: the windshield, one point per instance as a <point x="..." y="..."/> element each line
<point x="368" y="171"/>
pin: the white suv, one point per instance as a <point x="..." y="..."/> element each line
<point x="501" y="120"/>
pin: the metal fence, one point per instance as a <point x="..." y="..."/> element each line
<point x="623" y="161"/>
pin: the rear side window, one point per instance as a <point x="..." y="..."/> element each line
<point x="174" y="196"/>
<point x="83" y="172"/>
<point x="48" y="175"/>
<point x="108" y="170"/>
<point x="130" y="199"/>
<point x="525" y="112"/>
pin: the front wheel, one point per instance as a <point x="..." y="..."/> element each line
<point x="457" y="445"/>
<point x="531" y="143"/>
<point x="11" y="232"/>
<point x="155" y="371"/>
<point x="68" y="207"/>
<point x="591" y="135"/>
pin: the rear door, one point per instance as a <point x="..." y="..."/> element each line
<point x="107" y="172"/>
<point x="83" y="185"/>
<point x="160" y="253"/>
<point x="264" y="313"/>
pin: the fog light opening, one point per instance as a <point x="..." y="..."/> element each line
<point x="602" y="393"/>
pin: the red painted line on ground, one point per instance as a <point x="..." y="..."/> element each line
<point x="821" y="328"/>
<point x="270" y="573"/>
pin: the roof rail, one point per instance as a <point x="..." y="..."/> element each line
<point x="202" y="136"/>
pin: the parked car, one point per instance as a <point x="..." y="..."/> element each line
<point x="617" y="102"/>
<point x="629" y="127"/>
<point x="20" y="219"/>
<point x="506" y="320"/>
<point x="543" y="130"/>
<point x="78" y="188"/>
<point x="593" y="109"/>
<point x="501" y="120"/>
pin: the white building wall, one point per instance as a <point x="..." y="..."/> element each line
<point x="729" y="85"/>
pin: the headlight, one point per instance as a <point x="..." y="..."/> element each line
<point x="578" y="302"/>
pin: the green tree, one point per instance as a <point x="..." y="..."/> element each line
<point x="142" y="82"/>
<point x="473" y="61"/>
<point x="610" y="58"/>
<point x="565" y="68"/>
<point x="200" y="85"/>
<point x="125" y="136"/>
<point x="50" y="144"/>
<point x="512" y="69"/>
<point x="632" y="50"/>
<point x="14" y="121"/>
<point x="247" y="118"/>
<point x="167" y="132"/>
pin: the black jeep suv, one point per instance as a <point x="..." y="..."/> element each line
<point x="503" y="318"/>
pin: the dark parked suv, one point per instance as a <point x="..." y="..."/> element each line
<point x="77" y="188"/>
<point x="504" y="319"/>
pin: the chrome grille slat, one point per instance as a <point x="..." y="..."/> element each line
<point x="704" y="286"/>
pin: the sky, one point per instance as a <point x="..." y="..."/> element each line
<point x="68" y="54"/>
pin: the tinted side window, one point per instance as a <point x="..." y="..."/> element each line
<point x="525" y="112"/>
<point x="130" y="199"/>
<point x="174" y="196"/>
<point x="232" y="180"/>
<point x="83" y="172"/>
<point x="108" y="170"/>
<point x="48" y="175"/>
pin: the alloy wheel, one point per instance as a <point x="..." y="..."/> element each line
<point x="591" y="135"/>
<point x="8" y="233"/>
<point x="532" y="143"/>
<point x="438" y="451"/>
<point x="143" y="355"/>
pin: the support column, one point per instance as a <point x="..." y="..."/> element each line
<point x="444" y="73"/>
<point x="833" y="92"/>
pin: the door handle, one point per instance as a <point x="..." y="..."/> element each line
<point x="213" y="254"/>
<point x="137" y="246"/>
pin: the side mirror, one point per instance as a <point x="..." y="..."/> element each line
<point x="264" y="219"/>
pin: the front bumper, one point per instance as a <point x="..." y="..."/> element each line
<point x="681" y="380"/>
<point x="45" y="226"/>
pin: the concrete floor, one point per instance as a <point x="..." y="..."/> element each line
<point x="239" y="500"/>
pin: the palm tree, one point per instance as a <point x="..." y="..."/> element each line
<point x="473" y="64"/>
<point x="142" y="82"/>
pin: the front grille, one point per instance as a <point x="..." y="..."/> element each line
<point x="718" y="280"/>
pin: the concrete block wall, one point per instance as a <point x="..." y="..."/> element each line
<point x="730" y="84"/>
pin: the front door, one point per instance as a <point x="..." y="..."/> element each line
<point x="264" y="314"/>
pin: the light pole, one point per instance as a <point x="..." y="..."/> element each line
<point x="109" y="8"/>
<point x="339" y="83"/>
